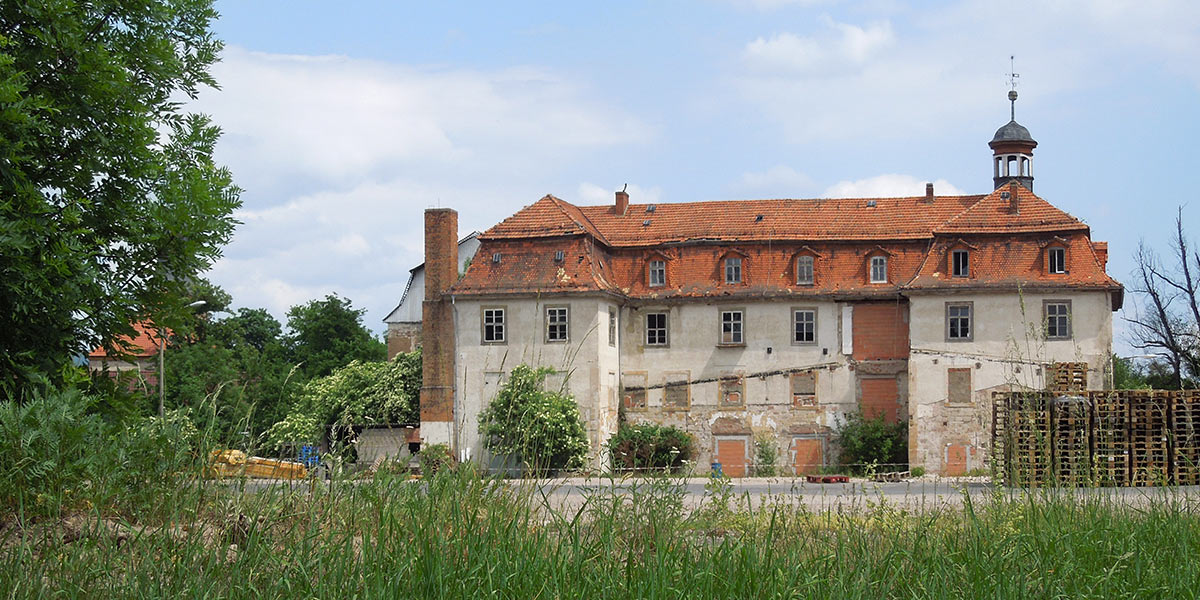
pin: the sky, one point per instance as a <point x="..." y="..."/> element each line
<point x="344" y="121"/>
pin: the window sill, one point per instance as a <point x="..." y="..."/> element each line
<point x="737" y="345"/>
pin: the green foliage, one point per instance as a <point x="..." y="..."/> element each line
<point x="361" y="393"/>
<point x="110" y="202"/>
<point x="56" y="454"/>
<point x="1127" y="375"/>
<point x="434" y="458"/>
<point x="541" y="429"/>
<point x="766" y="453"/>
<point x="871" y="443"/>
<point x="327" y="334"/>
<point x="651" y="447"/>
<point x="918" y="471"/>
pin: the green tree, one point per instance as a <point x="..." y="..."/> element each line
<point x="327" y="334"/>
<point x="110" y="201"/>
<point x="541" y="429"/>
<point x="360" y="393"/>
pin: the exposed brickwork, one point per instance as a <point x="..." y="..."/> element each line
<point x="403" y="337"/>
<point x="880" y="330"/>
<point x="437" y="316"/>
<point x="881" y="396"/>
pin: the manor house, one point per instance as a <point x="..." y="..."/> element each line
<point x="772" y="319"/>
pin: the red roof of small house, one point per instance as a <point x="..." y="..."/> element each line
<point x="143" y="343"/>
<point x="608" y="252"/>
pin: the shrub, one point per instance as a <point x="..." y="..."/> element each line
<point x="55" y="455"/>
<point x="359" y="393"/>
<point x="872" y="442"/>
<point x="765" y="454"/>
<point x="648" y="446"/>
<point x="539" y="428"/>
<point x="434" y="458"/>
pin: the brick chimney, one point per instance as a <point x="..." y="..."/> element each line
<point x="622" y="205"/>
<point x="929" y="193"/>
<point x="1014" y="205"/>
<point x="437" y="327"/>
<point x="1101" y="250"/>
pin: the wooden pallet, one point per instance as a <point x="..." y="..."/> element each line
<point x="1071" y="440"/>
<point x="1149" y="419"/>
<point x="1185" y="427"/>
<point x="1110" y="438"/>
<point x="1067" y="377"/>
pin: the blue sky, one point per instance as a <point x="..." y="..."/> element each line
<point x="343" y="121"/>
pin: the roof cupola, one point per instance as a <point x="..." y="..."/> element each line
<point x="1012" y="148"/>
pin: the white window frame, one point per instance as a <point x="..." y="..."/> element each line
<point x="1061" y="252"/>
<point x="732" y="331"/>
<point x="733" y="270"/>
<point x="558" y="324"/>
<point x="812" y="322"/>
<point x="497" y="320"/>
<point x="656" y="273"/>
<point x="665" y="330"/>
<point x="879" y="266"/>
<point x="809" y="267"/>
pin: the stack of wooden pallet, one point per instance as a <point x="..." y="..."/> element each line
<point x="1185" y="421"/>
<point x="1149" y="413"/>
<point x="1110" y="439"/>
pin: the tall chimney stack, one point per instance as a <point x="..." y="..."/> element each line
<point x="1013" y="205"/>
<point x="437" y="327"/>
<point x="929" y="193"/>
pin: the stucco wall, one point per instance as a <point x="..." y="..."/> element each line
<point x="1009" y="350"/>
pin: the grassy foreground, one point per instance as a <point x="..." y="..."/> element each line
<point x="460" y="536"/>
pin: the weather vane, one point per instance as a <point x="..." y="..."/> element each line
<point x="1013" y="76"/>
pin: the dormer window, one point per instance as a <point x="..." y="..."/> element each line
<point x="804" y="270"/>
<point x="657" y="273"/>
<point x="733" y="270"/>
<point x="1056" y="256"/>
<point x="879" y="269"/>
<point x="960" y="263"/>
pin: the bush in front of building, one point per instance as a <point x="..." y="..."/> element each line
<point x="872" y="444"/>
<point x="651" y="447"/>
<point x="539" y="428"/>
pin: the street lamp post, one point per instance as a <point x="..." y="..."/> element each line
<point x="162" y="371"/>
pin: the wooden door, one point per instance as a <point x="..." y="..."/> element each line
<point x="731" y="453"/>
<point x="808" y="455"/>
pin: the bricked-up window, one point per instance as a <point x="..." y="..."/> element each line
<point x="1058" y="319"/>
<point x="733" y="270"/>
<point x="804" y="389"/>
<point x="804" y="270"/>
<point x="677" y="393"/>
<point x="731" y="390"/>
<point x="656" y="329"/>
<point x="612" y="326"/>
<point x="657" y="273"/>
<point x="493" y="325"/>
<point x="958" y="386"/>
<point x="804" y="326"/>
<point x="959" y="327"/>
<point x="556" y="323"/>
<point x="879" y="269"/>
<point x="731" y="327"/>
<point x="960" y="263"/>
<point x="1056" y="256"/>
<point x="633" y="390"/>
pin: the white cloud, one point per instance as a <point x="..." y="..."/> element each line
<point x="339" y="157"/>
<point x="889" y="186"/>
<point x="780" y="181"/>
<point x="338" y="119"/>
<point x="842" y="47"/>
<point x="591" y="194"/>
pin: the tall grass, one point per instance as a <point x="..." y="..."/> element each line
<point x="458" y="535"/>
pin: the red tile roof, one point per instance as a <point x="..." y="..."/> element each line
<point x="608" y="252"/>
<point x="144" y="343"/>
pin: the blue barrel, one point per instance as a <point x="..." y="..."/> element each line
<point x="716" y="470"/>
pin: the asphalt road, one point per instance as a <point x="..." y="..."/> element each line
<point x="920" y="494"/>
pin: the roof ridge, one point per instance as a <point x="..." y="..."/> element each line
<point x="590" y="229"/>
